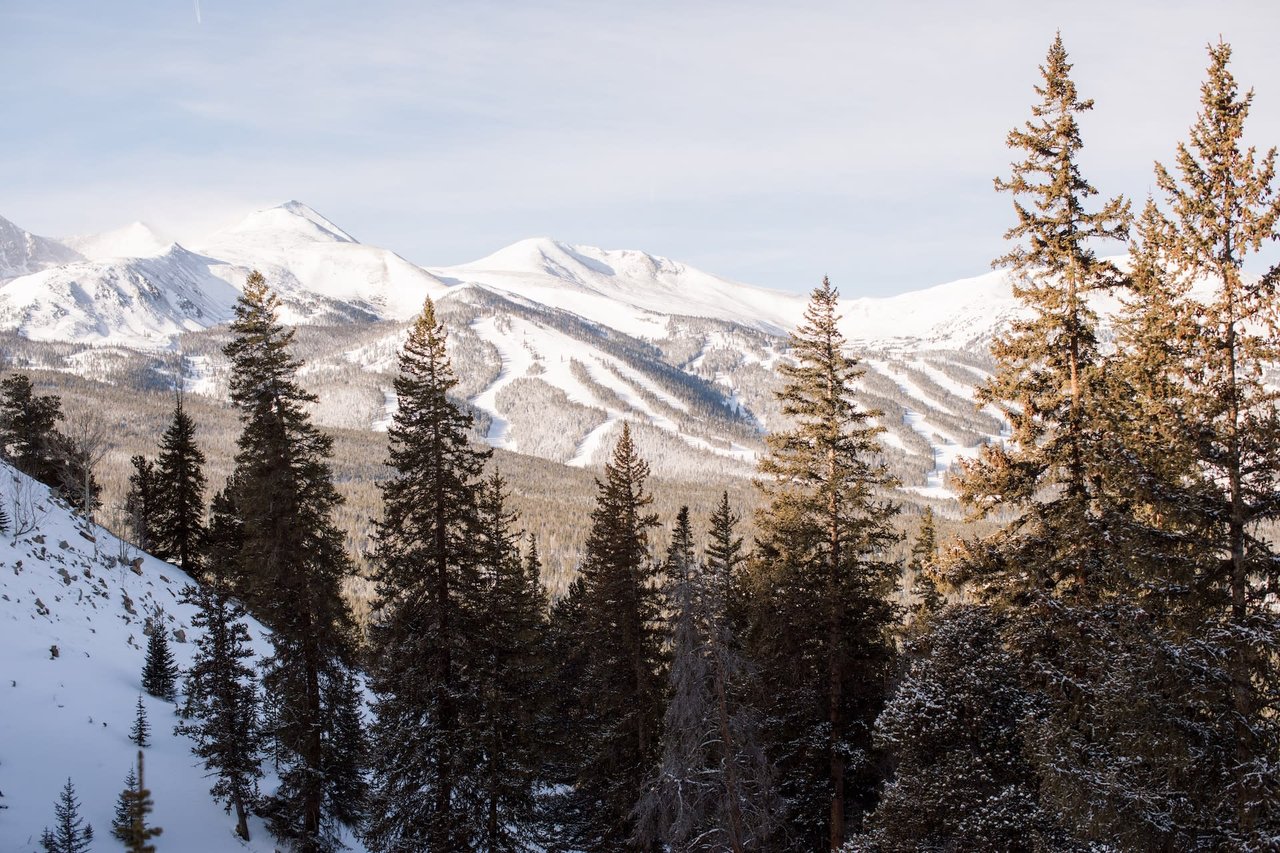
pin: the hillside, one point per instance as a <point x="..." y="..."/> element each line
<point x="69" y="714"/>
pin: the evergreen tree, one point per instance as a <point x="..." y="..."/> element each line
<point x="1052" y="472"/>
<point x="620" y="694"/>
<point x="179" y="519"/>
<point x="291" y="561"/>
<point x="725" y="559"/>
<point x="138" y="836"/>
<point x="820" y="584"/>
<point x="514" y="681"/>
<point x="224" y="539"/>
<point x="426" y="666"/>
<point x="123" y="817"/>
<point x="955" y="731"/>
<point x="1201" y="353"/>
<point x="140" y="734"/>
<point x="922" y="565"/>
<point x="29" y="438"/>
<point x="221" y="709"/>
<point x="141" y="503"/>
<point x="160" y="673"/>
<point x="713" y="788"/>
<point x="67" y="836"/>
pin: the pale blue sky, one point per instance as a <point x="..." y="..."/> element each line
<point x="767" y="144"/>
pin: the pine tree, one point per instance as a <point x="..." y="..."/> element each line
<point x="123" y="816"/>
<point x="820" y="582"/>
<point x="1047" y="374"/>
<point x="955" y="731"/>
<point x="620" y="695"/>
<point x="221" y="709"/>
<point x="29" y="438"/>
<point x="1222" y="209"/>
<point x="713" y="787"/>
<point x="179" y="519"/>
<point x="725" y="559"/>
<point x="160" y="673"/>
<point x="921" y="567"/>
<point x="292" y="561"/>
<point x="140" y="502"/>
<point x="514" y="682"/>
<point x="138" y="835"/>
<point x="224" y="540"/>
<point x="140" y="734"/>
<point x="67" y="836"/>
<point x="425" y="665"/>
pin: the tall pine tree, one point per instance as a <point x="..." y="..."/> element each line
<point x="292" y="560"/>
<point x="221" y="709"/>
<point x="621" y="691"/>
<point x="425" y="667"/>
<point x="820" y="581"/>
<point x="1051" y="472"/>
<point x="178" y="528"/>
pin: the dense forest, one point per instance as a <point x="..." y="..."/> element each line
<point x="1089" y="663"/>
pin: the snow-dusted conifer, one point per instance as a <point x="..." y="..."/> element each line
<point x="220" y="713"/>
<point x="291" y="561"/>
<point x="821" y="579"/>
<point x="425" y="668"/>
<point x="160" y="672"/>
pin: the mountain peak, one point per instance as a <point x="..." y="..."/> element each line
<point x="291" y="222"/>
<point x="22" y="252"/>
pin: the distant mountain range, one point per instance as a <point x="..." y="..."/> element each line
<point x="555" y="343"/>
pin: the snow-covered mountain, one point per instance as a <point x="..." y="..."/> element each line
<point x="556" y="344"/>
<point x="22" y="252"/>
<point x="73" y="606"/>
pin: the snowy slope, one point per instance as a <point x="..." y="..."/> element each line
<point x="627" y="290"/>
<point x="70" y="715"/>
<point x="130" y="301"/>
<point x="301" y="253"/>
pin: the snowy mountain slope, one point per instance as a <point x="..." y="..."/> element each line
<point x="555" y="344"/>
<point x="70" y="715"/>
<point x="302" y="255"/>
<point x="627" y="290"/>
<point x="130" y="301"/>
<point x="22" y="252"/>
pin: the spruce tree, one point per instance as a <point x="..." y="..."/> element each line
<point x="1222" y="209"/>
<point x="123" y="816"/>
<point x="68" y="835"/>
<point x="426" y="665"/>
<point x="1052" y="471"/>
<point x="820" y="582"/>
<point x="179" y="519"/>
<point x="725" y="559"/>
<point x="221" y="709"/>
<point x="621" y="691"/>
<point x="137" y="837"/>
<point x="922" y="566"/>
<point x="140" y="502"/>
<point x="160" y="672"/>
<point x="513" y="690"/>
<point x="712" y="789"/>
<point x="29" y="438"/>
<point x="140" y="734"/>
<point x="292" y="562"/>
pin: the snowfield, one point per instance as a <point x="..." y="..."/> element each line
<point x="70" y="715"/>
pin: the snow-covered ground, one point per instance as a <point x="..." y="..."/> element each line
<point x="70" y="715"/>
